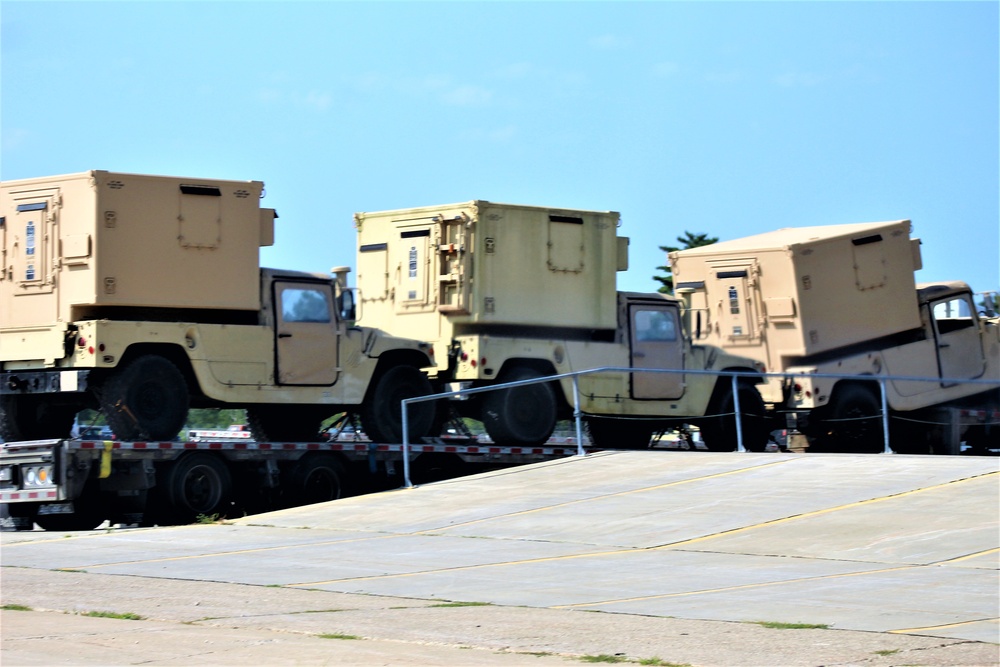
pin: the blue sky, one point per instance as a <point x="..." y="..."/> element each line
<point x="725" y="118"/>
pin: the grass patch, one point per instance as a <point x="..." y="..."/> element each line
<point x="16" y="607"/>
<point x="128" y="616"/>
<point x="603" y="657"/>
<point x="337" y="635"/>
<point x="207" y="518"/>
<point x="887" y="652"/>
<point x="619" y="658"/>
<point x="774" y="625"/>
<point x="461" y="604"/>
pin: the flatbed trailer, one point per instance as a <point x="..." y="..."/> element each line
<point x="77" y="484"/>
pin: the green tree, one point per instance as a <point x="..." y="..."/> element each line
<point x="213" y="419"/>
<point x="689" y="240"/>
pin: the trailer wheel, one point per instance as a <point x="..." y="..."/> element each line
<point x="17" y="516"/>
<point x="608" y="433"/>
<point x="908" y="436"/>
<point x="520" y="415"/>
<point x="33" y="417"/>
<point x="285" y="423"/>
<point x="719" y="432"/>
<point x="90" y="511"/>
<point x="315" y="479"/>
<point x="198" y="484"/>
<point x="436" y="467"/>
<point x="852" y="421"/>
<point x="381" y="416"/>
<point x="148" y="399"/>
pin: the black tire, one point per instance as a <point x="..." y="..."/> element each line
<point x="381" y="414"/>
<point x="907" y="436"/>
<point x="719" y="432"/>
<point x="146" y="400"/>
<point x="314" y="479"/>
<point x="607" y="433"/>
<point x="286" y="423"/>
<point x="17" y="516"/>
<point x="852" y="421"/>
<point x="980" y="439"/>
<point x="34" y="417"/>
<point x="435" y="467"/>
<point x="198" y="484"/>
<point x="90" y="511"/>
<point x="520" y="415"/>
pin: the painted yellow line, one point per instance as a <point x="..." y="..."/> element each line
<point x="968" y="556"/>
<point x="644" y="489"/>
<point x="724" y="589"/>
<point x="931" y="628"/>
<point x="459" y="568"/>
<point x="235" y="552"/>
<point x="671" y="545"/>
<point x="826" y="510"/>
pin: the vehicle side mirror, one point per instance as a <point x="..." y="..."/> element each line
<point x="347" y="308"/>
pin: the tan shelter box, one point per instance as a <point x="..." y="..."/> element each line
<point x="481" y="263"/>
<point x="94" y="240"/>
<point x="797" y="292"/>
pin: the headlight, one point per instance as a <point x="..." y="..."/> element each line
<point x="38" y="476"/>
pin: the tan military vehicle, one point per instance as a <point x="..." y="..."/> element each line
<point x="509" y="293"/>
<point x="841" y="299"/>
<point x="143" y="296"/>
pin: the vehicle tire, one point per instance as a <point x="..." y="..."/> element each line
<point x="34" y="417"/>
<point x="436" y="467"/>
<point x="286" y="423"/>
<point x="719" y="433"/>
<point x="852" y="421"/>
<point x="520" y="415"/>
<point x="146" y="400"/>
<point x="17" y="516"/>
<point x="907" y="436"/>
<point x="198" y="484"/>
<point x="381" y="413"/>
<point x="980" y="439"/>
<point x="90" y="511"/>
<point x="608" y="433"/>
<point x="314" y="479"/>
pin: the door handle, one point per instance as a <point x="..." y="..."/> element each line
<point x="284" y="335"/>
<point x="639" y="355"/>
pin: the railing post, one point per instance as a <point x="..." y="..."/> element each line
<point x="406" y="445"/>
<point x="736" y="415"/>
<point x="885" y="417"/>
<point x="576" y="416"/>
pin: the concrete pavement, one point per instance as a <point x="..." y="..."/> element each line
<point x="683" y="555"/>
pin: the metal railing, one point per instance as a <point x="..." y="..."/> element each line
<point x="734" y="375"/>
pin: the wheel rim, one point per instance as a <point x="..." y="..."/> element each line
<point x="202" y="489"/>
<point x="862" y="434"/>
<point x="149" y="401"/>
<point x="321" y="485"/>
<point x="520" y="415"/>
